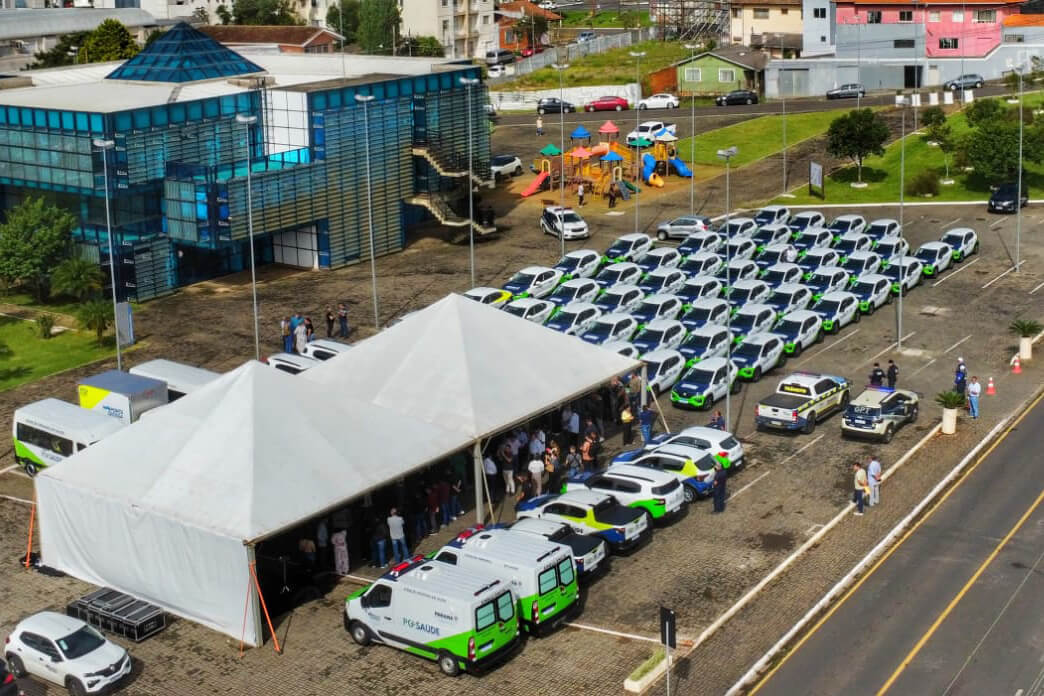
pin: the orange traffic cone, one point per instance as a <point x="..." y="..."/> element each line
<point x="990" y="389"/>
<point x="1016" y="366"/>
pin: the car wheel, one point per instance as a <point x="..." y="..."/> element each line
<point x="541" y="112"/>
<point x="359" y="633"/>
<point x="757" y="374"/>
<point x="690" y="494"/>
<point x="960" y="257"/>
<point x="518" y="171"/>
<point x="914" y="413"/>
<point x="736" y="386"/>
<point x="661" y="235"/>
<point x="819" y="336"/>
<point x="872" y="308"/>
<point x="641" y="107"/>
<point x="448" y="664"/>
<point x="30" y="468"/>
<point x="14" y="664"/>
<point x="889" y="433"/>
<point x="590" y="109"/>
<point x="891" y="298"/>
<point x="619" y="108"/>
<point x="750" y="101"/>
<point x="75" y="687"/>
<point x="978" y="85"/>
<point x="810" y="423"/>
<point x="797" y="349"/>
<point x="857" y="317"/>
<point x="975" y="249"/>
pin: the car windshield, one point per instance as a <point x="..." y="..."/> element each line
<point x="748" y="350"/>
<point x="608" y="301"/>
<point x="601" y="330"/>
<point x="806" y="241"/>
<point x="610" y="275"/>
<point x="734" y="273"/>
<point x="854" y="266"/>
<point x="650" y="336"/>
<point x="893" y="271"/>
<point x="571" y="218"/>
<point x="618" y="249"/>
<point x="517" y="311"/>
<point x="863" y="288"/>
<point x="776" y="276"/>
<point x="764" y="217"/>
<point x="828" y="307"/>
<point x="846" y="246"/>
<point x="1005" y="191"/>
<point x="566" y="293"/>
<point x="788" y="327"/>
<point x="682" y="222"/>
<point x="886" y="248"/>
<point x="563" y="319"/>
<point x="696" y="342"/>
<point x="648" y="309"/>
<point x="764" y="236"/>
<point x="840" y="226"/>
<point x="695" y="265"/>
<point x="740" y="295"/>
<point x="800" y="223"/>
<point x="567" y="263"/>
<point x="779" y="300"/>
<point x="522" y="278"/>
<point x="878" y="229"/>
<point x="698" y="376"/>
<point x="926" y="255"/>
<point x="744" y="323"/>
<point x="820" y="281"/>
<point x="698" y="314"/>
<point x="954" y="240"/>
<point x="651" y="368"/>
<point x="80" y="643"/>
<point x="733" y="227"/>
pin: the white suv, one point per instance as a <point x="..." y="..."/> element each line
<point x="556" y="218"/>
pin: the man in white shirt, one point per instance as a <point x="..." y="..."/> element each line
<point x="536" y="471"/>
<point x="873" y="476"/>
<point x="974" y="391"/>
<point x="490" y="467"/>
<point x="398" y="536"/>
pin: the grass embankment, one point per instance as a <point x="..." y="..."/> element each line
<point x="25" y="357"/>
<point x="881" y="174"/>
<point x="615" y="66"/>
<point x="603" y="19"/>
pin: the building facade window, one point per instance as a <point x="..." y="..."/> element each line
<point x="934" y="16"/>
<point x="784" y="10"/>
<point x="737" y="13"/>
<point x="905" y="15"/>
<point x="693" y="75"/>
<point x="957" y="16"/>
<point x="485" y="20"/>
<point x="949" y="43"/>
<point x="1014" y="38"/>
<point x="726" y="75"/>
<point x="761" y="13"/>
<point x="873" y="17"/>
<point x="903" y="43"/>
<point x="819" y="12"/>
<point x="822" y="39"/>
<point x="985" y="16"/>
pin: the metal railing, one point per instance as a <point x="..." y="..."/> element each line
<point x="572" y="51"/>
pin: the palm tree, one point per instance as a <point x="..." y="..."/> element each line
<point x="77" y="278"/>
<point x="96" y="315"/>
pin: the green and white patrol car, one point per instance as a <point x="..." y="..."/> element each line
<point x="658" y="494"/>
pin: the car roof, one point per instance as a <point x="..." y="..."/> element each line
<point x="631" y="236"/>
<point x="849" y="217"/>
<point x="51" y="624"/>
<point x="775" y="226"/>
<point x="579" y="306"/>
<point x="873" y="396"/>
<point x="702" y="279"/>
<point x="661" y="355"/>
<point x="662" y="324"/>
<point x="294" y="359"/>
<point x="527" y="302"/>
<point x="863" y="254"/>
<point x="762" y="338"/>
<point x="620" y="347"/>
<point x="712" y="363"/>
<point x="663" y="272"/>
<point x="621" y="288"/>
<point x="709" y="302"/>
<point x="742" y="219"/>
<point x="537" y="525"/>
<point x="783" y="266"/>
<point x="800" y="314"/>
<point x="482" y="291"/>
<point x="883" y="221"/>
<point x="580" y="497"/>
<point x="830" y="269"/>
<point x="662" y="251"/>
<point x="933" y="245"/>
<point x="577" y="253"/>
<point x="808" y="213"/>
<point x="638" y="473"/>
<point x="959" y="230"/>
<point x="330" y="344"/>
<point x="755" y="308"/>
<point x="854" y="235"/>
<point x="749" y="283"/>
<point x="874" y="277"/>
<point x="838" y="295"/>
<point x="736" y="263"/>
<point x="703" y="431"/>
<point x="560" y="209"/>
<point x="536" y="269"/>
<point x="791" y="287"/>
<point x="578" y="282"/>
<point x="820" y="251"/>
<point x="774" y="208"/>
<point x="661" y="298"/>
<point x="674" y="450"/>
<point x="621" y="265"/>
<point x="707" y="330"/>
<point x="614" y="317"/>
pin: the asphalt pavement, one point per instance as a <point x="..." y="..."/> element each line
<point x="956" y="607"/>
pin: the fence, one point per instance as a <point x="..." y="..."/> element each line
<point x="572" y="51"/>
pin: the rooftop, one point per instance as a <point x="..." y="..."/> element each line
<point x="22" y="24"/>
<point x="283" y="35"/>
<point x="184" y="54"/>
<point x="1024" y="20"/>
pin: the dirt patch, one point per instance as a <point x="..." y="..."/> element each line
<point x="775" y="541"/>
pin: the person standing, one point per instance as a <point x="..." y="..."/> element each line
<point x="340" y="547"/>
<point x="720" y="478"/>
<point x="873" y="478"/>
<point x="536" y="474"/>
<point x="587" y="456"/>
<point x="342" y="319"/>
<point x="432" y="494"/>
<point x="877" y="376"/>
<point x="892" y="374"/>
<point x="322" y="542"/>
<point x="456" y="491"/>
<point x="540" y="126"/>
<point x="507" y="467"/>
<point x="309" y="330"/>
<point x="378" y="541"/>
<point x="287" y="334"/>
<point x="612" y="196"/>
<point x="489" y="466"/>
<point x="573" y="464"/>
<point x="960" y="376"/>
<point x="627" y="419"/>
<point x="442" y="487"/>
<point x="646" y="419"/>
<point x="974" y="392"/>
<point x="300" y="338"/>
<point x="580" y="193"/>
<point x="573" y="427"/>
<point x="329" y="322"/>
<point x="634" y="390"/>
<point x="398" y="535"/>
<point x="717" y="421"/>
<point x="860" y="487"/>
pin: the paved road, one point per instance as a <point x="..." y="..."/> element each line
<point x="895" y="635"/>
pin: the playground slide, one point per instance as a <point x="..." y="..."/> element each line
<point x="599" y="149"/>
<point x="535" y="185"/>
<point x="648" y="166"/>
<point x="655" y="180"/>
<point x="680" y="167"/>
<point x="625" y="192"/>
<point x="629" y="185"/>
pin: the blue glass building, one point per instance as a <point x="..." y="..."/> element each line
<point x="177" y="170"/>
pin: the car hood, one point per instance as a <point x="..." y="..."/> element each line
<point x="691" y="387"/>
<point x="97" y="660"/>
<point x="515" y="288"/>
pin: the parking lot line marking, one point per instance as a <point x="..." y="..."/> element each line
<point x="359" y="578"/>
<point x="922" y="367"/>
<point x="5" y="470"/>
<point x="17" y="500"/>
<point x="611" y="632"/>
<point x="751" y="483"/>
<point x="887" y="348"/>
<point x="1001" y="276"/>
<point x="957" y="344"/>
<point x="999" y="222"/>
<point x="955" y="220"/>
<point x="812" y="528"/>
<point x="807" y="445"/>
<point x="823" y="350"/>
<point x="950" y="275"/>
<point x="1036" y="288"/>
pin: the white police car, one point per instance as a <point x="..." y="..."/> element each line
<point x="694" y="442"/>
<point x="769" y="235"/>
<point x="705" y="342"/>
<point x="885" y="228"/>
<point x="740" y="248"/>
<point x="873" y="290"/>
<point x="575" y="290"/>
<point x="906" y="270"/>
<point x="581" y="263"/>
<point x="657" y="493"/>
<point x="533" y="281"/>
<point x="705" y="311"/>
<point x="812" y="238"/>
<point x="750" y="320"/>
<point x="837" y="309"/>
<point x="630" y="247"/>
<point x="789" y="297"/>
<point x="702" y="263"/>
<point x="624" y="297"/>
<point x="827" y="279"/>
<point x="892" y="249"/>
<point x="624" y="273"/>
<point x="782" y="273"/>
<point x="706" y="382"/>
<point x="963" y="241"/>
<point x="805" y="220"/>
<point x="531" y="309"/>
<point x="699" y="287"/>
<point x="610" y="327"/>
<point x="744" y="291"/>
<point x="659" y="334"/>
<point x="847" y="224"/>
<point x="758" y="354"/>
<point x="700" y="241"/>
<point x="662" y="281"/>
<point x="739" y="227"/>
<point x="587" y="512"/>
<point x="563" y="222"/>
<point x="935" y="257"/>
<point x="693" y="468"/>
<point x="860" y="263"/>
<point x="574" y="319"/>
<point x="494" y="297"/>
<point x="799" y="329"/>
<point x="737" y="270"/>
<point x="660" y="257"/>
<point x="772" y="215"/>
<point x="624" y="348"/>
<point x="776" y="253"/>
<point x="851" y="242"/>
<point x="817" y="258"/>
<point x="656" y="307"/>
<point x="662" y="369"/>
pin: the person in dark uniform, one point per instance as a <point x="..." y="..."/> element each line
<point x="719" y="488"/>
<point x="893" y="374"/>
<point x="877" y="375"/>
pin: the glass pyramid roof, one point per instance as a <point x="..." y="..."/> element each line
<point x="183" y="54"/>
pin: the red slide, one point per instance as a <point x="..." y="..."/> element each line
<point x="535" y="186"/>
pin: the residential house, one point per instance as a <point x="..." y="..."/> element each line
<point x="466" y="28"/>
<point x="517" y="27"/>
<point x="764" y="23"/>
<point x="721" y="70"/>
<point x="275" y="39"/>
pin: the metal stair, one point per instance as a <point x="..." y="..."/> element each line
<point x="438" y="207"/>
<point x="445" y="169"/>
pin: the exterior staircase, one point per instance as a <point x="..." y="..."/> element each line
<point x="437" y="206"/>
<point x="444" y="168"/>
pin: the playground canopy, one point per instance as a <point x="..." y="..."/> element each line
<point x="580" y="153"/>
<point x="580" y="132"/>
<point x="666" y="137"/>
<point x="642" y="142"/>
<point x="612" y="157"/>
<point x="608" y="127"/>
<point x="550" y="150"/>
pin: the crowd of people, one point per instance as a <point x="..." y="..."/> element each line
<point x="298" y="331"/>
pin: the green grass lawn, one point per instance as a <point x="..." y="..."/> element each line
<point x="605" y="18"/>
<point x="615" y="66"/>
<point x="26" y="301"/>
<point x="881" y="174"/>
<point x="25" y="357"/>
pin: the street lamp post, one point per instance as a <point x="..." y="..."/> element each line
<point x="637" y="55"/>
<point x="561" y="67"/>
<point x="783" y="98"/>
<point x="248" y="120"/>
<point x="692" y="140"/>
<point x="468" y="84"/>
<point x="365" y="99"/>
<point x="104" y="146"/>
<point x="1018" y="185"/>
<point x="727" y="155"/>
<point x="902" y="102"/>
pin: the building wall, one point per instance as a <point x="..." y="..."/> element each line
<point x="976" y="29"/>
<point x="466" y="27"/>
<point x="764" y="19"/>
<point x="712" y="77"/>
<point x="819" y="18"/>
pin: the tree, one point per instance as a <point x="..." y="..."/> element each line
<point x="224" y="14"/>
<point x="97" y="316"/>
<point x="994" y="149"/>
<point x="35" y="237"/>
<point x="378" y="25"/>
<point x="201" y="14"/>
<point x="932" y="116"/>
<point x="153" y="35"/>
<point x="421" y="46"/>
<point x="984" y="111"/>
<point x="76" y="278"/>
<point x="630" y="19"/>
<point x="938" y="131"/>
<point x="857" y="135"/>
<point x="63" y="53"/>
<point x="110" y="41"/>
<point x="350" y="11"/>
<point x="278" y="12"/>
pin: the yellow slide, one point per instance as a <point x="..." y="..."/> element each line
<point x="656" y="180"/>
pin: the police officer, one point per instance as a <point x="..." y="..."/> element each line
<point x="877" y="375"/>
<point x="719" y="488"/>
<point x="960" y="376"/>
<point x="893" y="374"/>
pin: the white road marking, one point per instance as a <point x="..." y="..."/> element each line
<point x="922" y="367"/>
<point x="835" y="343"/>
<point x="957" y="344"/>
<point x="17" y="500"/>
<point x="610" y="632"/>
<point x="4" y="471"/>
<point x="1001" y="276"/>
<point x="813" y="528"/>
<point x="802" y="449"/>
<point x="951" y="222"/>
<point x="999" y="222"/>
<point x="950" y="275"/>
<point x="887" y="348"/>
<point x="1036" y="288"/>
<point x="359" y="578"/>
<point x="733" y="495"/>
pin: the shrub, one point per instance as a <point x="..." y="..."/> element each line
<point x="1025" y="328"/>
<point x="924" y="183"/>
<point x="45" y="323"/>
<point x="950" y="399"/>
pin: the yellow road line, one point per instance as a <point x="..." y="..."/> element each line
<point x="852" y="590"/>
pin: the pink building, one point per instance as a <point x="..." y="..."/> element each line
<point x="945" y="28"/>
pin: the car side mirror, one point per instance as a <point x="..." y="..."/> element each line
<point x="55" y="658"/>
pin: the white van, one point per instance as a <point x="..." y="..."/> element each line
<point x="46" y="432"/>
<point x="181" y="379"/>
<point x="462" y="619"/>
<point x="542" y="573"/>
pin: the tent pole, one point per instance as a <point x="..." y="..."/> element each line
<point x="480" y="477"/>
<point x="246" y="610"/>
<point x="29" y="543"/>
<point x="261" y="598"/>
<point x="663" y="419"/>
<point x="645" y="384"/>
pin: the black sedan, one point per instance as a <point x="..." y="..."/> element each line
<point x="849" y="91"/>
<point x="739" y="96"/>
<point x="1003" y="199"/>
<point x="553" y="105"/>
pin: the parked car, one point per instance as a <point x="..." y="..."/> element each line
<point x="660" y="101"/>
<point x="505" y="165"/>
<point x="662" y="280"/>
<point x="555" y="218"/>
<point x="705" y="311"/>
<point x="782" y="273"/>
<point x="806" y="219"/>
<point x="884" y="228"/>
<point x="936" y="257"/>
<point x="611" y="327"/>
<point x="969" y="81"/>
<point x="702" y="263"/>
<point x="324" y="348"/>
<point x="575" y="290"/>
<point x="648" y="130"/>
<point x="963" y="241"/>
<point x="548" y="5"/>
<point x="579" y="263"/>
<point x="533" y="281"/>
<point x="291" y="363"/>
<point x="660" y="257"/>
<point x="607" y="103"/>
<point x="554" y="105"/>
<point x="494" y="297"/>
<point x="682" y="227"/>
<point x="905" y="273"/>
<point x="708" y="341"/>
<point x="738" y="96"/>
<point x="772" y="215"/>
<point x="848" y="91"/>
<point x="621" y="297"/>
<point x="891" y="249"/>
<point x="629" y="247"/>
<point x="498" y="70"/>
<point x="1003" y="199"/>
<point x="847" y="224"/>
<point x="499" y="57"/>
<point x="585" y="36"/>
<point x="662" y="369"/>
<point x="700" y="241"/>
<point x="878" y="412"/>
<point x="575" y="318"/>
<point x="698" y="287"/>
<point x="619" y="273"/>
<point x="531" y="309"/>
<point x="491" y="112"/>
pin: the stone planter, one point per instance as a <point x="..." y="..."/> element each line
<point x="947" y="182"/>
<point x="1025" y="348"/>
<point x="858" y="184"/>
<point x="949" y="421"/>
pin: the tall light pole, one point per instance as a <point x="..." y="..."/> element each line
<point x="692" y="140"/>
<point x="365" y="99"/>
<point x="727" y="155"/>
<point x="468" y="83"/>
<point x="248" y="120"/>
<point x="783" y="98"/>
<point x="637" y="55"/>
<point x="561" y="67"/>
<point x="902" y="102"/>
<point x="104" y="146"/>
<point x="1018" y="186"/>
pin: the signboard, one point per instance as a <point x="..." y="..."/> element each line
<point x="815" y="180"/>
<point x="668" y="628"/>
<point x="124" y="324"/>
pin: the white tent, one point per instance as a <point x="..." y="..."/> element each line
<point x="167" y="509"/>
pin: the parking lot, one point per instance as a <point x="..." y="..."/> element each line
<point x="791" y="485"/>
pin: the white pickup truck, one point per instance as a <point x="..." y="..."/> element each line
<point x="801" y="400"/>
<point x="648" y="131"/>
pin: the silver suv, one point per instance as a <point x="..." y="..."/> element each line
<point x="878" y="412"/>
